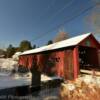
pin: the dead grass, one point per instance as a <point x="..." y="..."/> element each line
<point x="82" y="91"/>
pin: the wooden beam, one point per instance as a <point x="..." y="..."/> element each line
<point x="97" y="73"/>
<point x="76" y="62"/>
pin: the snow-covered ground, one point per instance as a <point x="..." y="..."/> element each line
<point x="8" y="63"/>
<point x="17" y="80"/>
<point x="8" y="81"/>
<point x="87" y="79"/>
<point x="16" y="55"/>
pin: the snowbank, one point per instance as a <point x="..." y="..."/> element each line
<point x="16" y="56"/>
<point x="45" y="78"/>
<point x="7" y="65"/>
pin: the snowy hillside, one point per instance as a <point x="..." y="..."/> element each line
<point x="7" y="65"/>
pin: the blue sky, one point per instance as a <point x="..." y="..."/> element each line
<point x="28" y="19"/>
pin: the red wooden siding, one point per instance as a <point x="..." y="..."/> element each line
<point x="62" y="62"/>
<point x="23" y="61"/>
<point x="53" y="62"/>
<point x="59" y="63"/>
<point x="27" y="60"/>
<point x="93" y="42"/>
<point x="65" y="63"/>
<point x="76" y="62"/>
<point x="41" y="61"/>
<point x="68" y="64"/>
<point x="99" y="57"/>
<point x="30" y="60"/>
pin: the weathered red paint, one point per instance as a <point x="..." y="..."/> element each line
<point x="66" y="60"/>
<point x="60" y="63"/>
<point x="68" y="64"/>
<point x="93" y="42"/>
<point x="76" y="62"/>
<point x="30" y="60"/>
<point x="22" y="60"/>
<point x="56" y="57"/>
<point x="99" y="57"/>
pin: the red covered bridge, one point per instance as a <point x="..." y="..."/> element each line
<point x="64" y="58"/>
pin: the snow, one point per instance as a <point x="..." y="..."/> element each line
<point x="87" y="79"/>
<point x="90" y="72"/>
<point x="69" y="86"/>
<point x="18" y="80"/>
<point x="6" y="79"/>
<point x="45" y="78"/>
<point x="86" y="87"/>
<point x="7" y="65"/>
<point x="9" y="82"/>
<point x="14" y="81"/>
<point x="16" y="56"/>
<point x="65" y="43"/>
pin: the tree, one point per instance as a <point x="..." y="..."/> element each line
<point x="10" y="51"/>
<point x="2" y="53"/>
<point x="61" y="36"/>
<point x="25" y="45"/>
<point x="34" y="46"/>
<point x="49" y="42"/>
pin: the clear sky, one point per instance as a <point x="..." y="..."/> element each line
<point x="28" y="19"/>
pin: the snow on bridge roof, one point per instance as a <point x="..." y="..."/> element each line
<point x="65" y="43"/>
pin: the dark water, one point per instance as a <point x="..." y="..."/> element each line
<point x="43" y="94"/>
<point x="47" y="91"/>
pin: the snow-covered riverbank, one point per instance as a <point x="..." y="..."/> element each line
<point x="8" y="63"/>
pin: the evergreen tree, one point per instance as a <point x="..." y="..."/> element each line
<point x="34" y="46"/>
<point x="10" y="51"/>
<point x="49" y="42"/>
<point x="25" y="45"/>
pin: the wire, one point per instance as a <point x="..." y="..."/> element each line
<point x="59" y="11"/>
<point x="43" y="17"/>
<point x="66" y="21"/>
<point x="47" y="10"/>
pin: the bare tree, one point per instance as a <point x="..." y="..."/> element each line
<point x="61" y="36"/>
